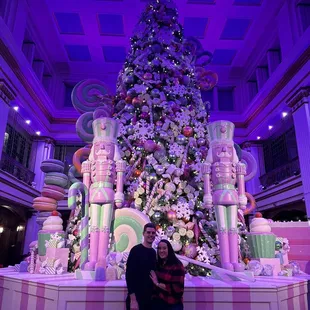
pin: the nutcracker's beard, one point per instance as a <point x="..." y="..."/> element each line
<point x="224" y="154"/>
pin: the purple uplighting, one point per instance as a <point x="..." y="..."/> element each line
<point x="192" y="115"/>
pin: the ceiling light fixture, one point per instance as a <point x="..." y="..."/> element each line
<point x="270" y="127"/>
<point x="258" y="137"/>
<point x="284" y="114"/>
<point x="38" y="133"/>
<point x="16" y="108"/>
<point x="28" y="121"/>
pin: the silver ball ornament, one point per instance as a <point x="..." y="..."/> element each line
<point x="201" y="141"/>
<point x="172" y="155"/>
<point x="157" y="215"/>
<point x="163" y="135"/>
<point x="160" y="169"/>
<point x="170" y="231"/>
<point x="145" y="108"/>
<point x="140" y="148"/>
<point x="129" y="108"/>
<point x="199" y="214"/>
<point x="130" y="130"/>
<point x="181" y="140"/>
<point x="153" y="177"/>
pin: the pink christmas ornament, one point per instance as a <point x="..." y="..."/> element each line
<point x="190" y="250"/>
<point x="149" y="145"/>
<point x="188" y="131"/>
<point x="171" y="215"/>
<point x="147" y="76"/>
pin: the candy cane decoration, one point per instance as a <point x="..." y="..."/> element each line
<point x="148" y="203"/>
<point x="205" y="234"/>
<point x="147" y="186"/>
<point x="32" y="254"/>
<point x="72" y="202"/>
<point x="130" y="172"/>
<point x="184" y="159"/>
<point x="128" y="143"/>
<point x="151" y="112"/>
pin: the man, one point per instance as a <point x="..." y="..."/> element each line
<point x="141" y="260"/>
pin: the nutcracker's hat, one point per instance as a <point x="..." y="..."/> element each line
<point x="105" y="129"/>
<point x="221" y="130"/>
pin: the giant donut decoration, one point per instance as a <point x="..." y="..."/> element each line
<point x="74" y="175"/>
<point x="252" y="201"/>
<point x="128" y="228"/>
<point x="203" y="59"/>
<point x="84" y="127"/>
<point x="193" y="45"/>
<point x="89" y="94"/>
<point x="79" y="156"/>
<point x="251" y="165"/>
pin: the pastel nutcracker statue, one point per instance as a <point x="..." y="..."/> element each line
<point x="102" y="172"/>
<point x="227" y="192"/>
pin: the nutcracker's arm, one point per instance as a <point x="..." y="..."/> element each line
<point x="86" y="169"/>
<point x="207" y="197"/>
<point x="120" y="170"/>
<point x="241" y="172"/>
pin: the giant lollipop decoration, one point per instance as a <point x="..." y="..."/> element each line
<point x="73" y="194"/>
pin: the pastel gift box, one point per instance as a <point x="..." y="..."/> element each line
<point x="61" y="254"/>
<point x="274" y="262"/>
<point x="45" y="236"/>
<point x="23" y="267"/>
<point x="17" y="267"/>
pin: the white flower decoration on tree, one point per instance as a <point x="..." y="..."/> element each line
<point x="177" y="149"/>
<point x="160" y="235"/>
<point x="143" y="131"/>
<point x="183" y="118"/>
<point x="198" y="173"/>
<point x="179" y="90"/>
<point x="200" y="130"/>
<point x="203" y="255"/>
<point x="182" y="210"/>
<point x="122" y="129"/>
<point x="140" y="88"/>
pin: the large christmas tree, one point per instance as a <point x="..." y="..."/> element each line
<point x="163" y="133"/>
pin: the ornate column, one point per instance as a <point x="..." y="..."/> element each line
<point x="252" y="89"/>
<point x="31" y="233"/>
<point x="29" y="50"/>
<point x="6" y="96"/>
<point x="261" y="76"/>
<point x="42" y="149"/>
<point x="273" y="59"/>
<point x="299" y="103"/>
<point x="38" y="68"/>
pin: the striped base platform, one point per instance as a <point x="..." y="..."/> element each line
<point x="20" y="291"/>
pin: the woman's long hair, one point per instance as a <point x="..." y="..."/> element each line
<point x="171" y="259"/>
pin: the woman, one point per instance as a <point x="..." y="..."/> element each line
<point x="168" y="279"/>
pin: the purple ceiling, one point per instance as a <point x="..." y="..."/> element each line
<point x="114" y="53"/>
<point x="195" y="27"/>
<point x="248" y="2"/>
<point x="223" y="57"/>
<point x="201" y="1"/>
<point x="78" y="52"/>
<point x="91" y="38"/>
<point x="235" y="29"/>
<point x="69" y="23"/>
<point x="111" y="24"/>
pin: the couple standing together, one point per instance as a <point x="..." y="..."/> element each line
<point x="154" y="283"/>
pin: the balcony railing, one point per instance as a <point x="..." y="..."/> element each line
<point x="279" y="174"/>
<point x="16" y="169"/>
